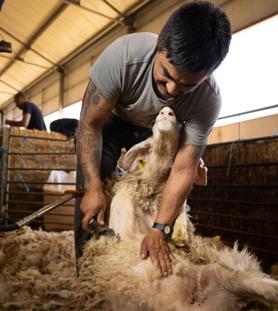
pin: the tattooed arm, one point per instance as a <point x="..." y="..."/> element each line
<point x="94" y="113"/>
<point x="180" y="182"/>
<point x="177" y="189"/>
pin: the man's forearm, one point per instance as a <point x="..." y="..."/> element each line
<point x="95" y="111"/>
<point x="14" y="123"/>
<point x="179" y="183"/>
<point x="174" y="194"/>
<point x="89" y="149"/>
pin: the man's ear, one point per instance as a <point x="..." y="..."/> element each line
<point x="135" y="154"/>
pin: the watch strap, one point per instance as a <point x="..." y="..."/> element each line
<point x="164" y="228"/>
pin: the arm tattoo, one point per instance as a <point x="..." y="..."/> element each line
<point x="96" y="99"/>
<point x="93" y="96"/>
<point x="89" y="139"/>
<point x="89" y="94"/>
<point x="89" y="150"/>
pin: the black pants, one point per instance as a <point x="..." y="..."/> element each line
<point x="117" y="134"/>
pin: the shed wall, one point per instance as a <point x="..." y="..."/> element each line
<point x="240" y="200"/>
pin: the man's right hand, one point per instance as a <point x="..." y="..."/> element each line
<point x="93" y="205"/>
<point x="95" y="111"/>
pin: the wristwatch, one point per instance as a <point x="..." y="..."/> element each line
<point x="166" y="229"/>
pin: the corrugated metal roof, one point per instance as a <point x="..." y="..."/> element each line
<point x="52" y="29"/>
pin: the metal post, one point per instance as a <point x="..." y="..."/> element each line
<point x="4" y="185"/>
<point x="61" y="72"/>
<point x="2" y="173"/>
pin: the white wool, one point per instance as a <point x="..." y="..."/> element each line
<point x="38" y="268"/>
<point x="239" y="260"/>
<point x="113" y="277"/>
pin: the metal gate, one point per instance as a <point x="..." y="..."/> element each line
<point x="28" y="158"/>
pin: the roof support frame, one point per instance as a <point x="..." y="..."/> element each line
<point x="126" y="19"/>
<point x="9" y="85"/>
<point x="143" y="5"/>
<point x="5" y="92"/>
<point x="79" y="5"/>
<point x="39" y="31"/>
<point x="20" y="59"/>
<point x="30" y="48"/>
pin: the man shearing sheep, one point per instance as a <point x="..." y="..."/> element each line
<point x="136" y="76"/>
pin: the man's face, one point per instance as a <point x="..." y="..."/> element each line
<point x="19" y="101"/>
<point x="169" y="82"/>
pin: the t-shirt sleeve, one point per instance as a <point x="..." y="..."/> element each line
<point x="27" y="108"/>
<point x="198" y="128"/>
<point x="106" y="73"/>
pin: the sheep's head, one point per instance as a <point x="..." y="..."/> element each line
<point x="165" y="120"/>
<point x="166" y="131"/>
<point x="161" y="146"/>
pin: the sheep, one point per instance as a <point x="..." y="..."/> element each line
<point x="136" y="195"/>
<point x="37" y="272"/>
<point x="204" y="278"/>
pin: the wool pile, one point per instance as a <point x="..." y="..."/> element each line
<point x="38" y="272"/>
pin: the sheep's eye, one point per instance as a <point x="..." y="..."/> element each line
<point x="170" y="113"/>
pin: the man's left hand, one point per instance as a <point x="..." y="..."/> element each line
<point x="155" y="245"/>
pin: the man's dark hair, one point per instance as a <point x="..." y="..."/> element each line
<point x="196" y="37"/>
<point x="19" y="95"/>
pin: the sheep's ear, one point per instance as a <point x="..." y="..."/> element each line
<point x="134" y="154"/>
<point x="254" y="287"/>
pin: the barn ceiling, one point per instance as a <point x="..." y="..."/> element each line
<point x="44" y="33"/>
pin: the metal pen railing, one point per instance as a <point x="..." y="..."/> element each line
<point x="21" y="186"/>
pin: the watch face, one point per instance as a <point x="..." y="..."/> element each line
<point x="167" y="229"/>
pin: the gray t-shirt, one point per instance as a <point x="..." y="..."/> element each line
<point x="124" y="71"/>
